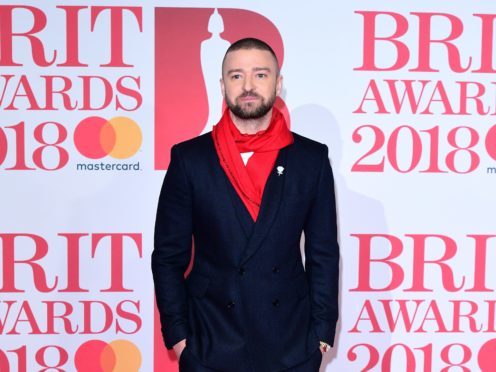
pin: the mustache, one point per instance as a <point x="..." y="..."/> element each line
<point x="249" y="94"/>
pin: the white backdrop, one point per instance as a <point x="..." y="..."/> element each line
<point x="403" y="93"/>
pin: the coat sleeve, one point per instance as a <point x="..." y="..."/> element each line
<point x="172" y="252"/>
<point x="322" y="255"/>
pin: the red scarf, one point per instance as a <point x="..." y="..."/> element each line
<point x="249" y="181"/>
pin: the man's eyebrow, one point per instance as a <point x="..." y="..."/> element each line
<point x="262" y="69"/>
<point x="234" y="70"/>
<point x="254" y="69"/>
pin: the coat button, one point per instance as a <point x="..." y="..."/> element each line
<point x="241" y="271"/>
<point x="275" y="269"/>
<point x="230" y="305"/>
<point x="275" y="302"/>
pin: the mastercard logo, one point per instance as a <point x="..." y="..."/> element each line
<point x="96" y="137"/>
<point x="100" y="356"/>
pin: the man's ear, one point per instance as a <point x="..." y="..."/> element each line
<point x="222" y="88"/>
<point x="279" y="85"/>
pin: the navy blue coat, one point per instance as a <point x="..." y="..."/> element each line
<point x="248" y="304"/>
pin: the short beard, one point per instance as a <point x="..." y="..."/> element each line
<point x="257" y="112"/>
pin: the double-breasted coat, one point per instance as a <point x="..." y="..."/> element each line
<point x="249" y="303"/>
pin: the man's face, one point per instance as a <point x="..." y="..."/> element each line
<point x="250" y="82"/>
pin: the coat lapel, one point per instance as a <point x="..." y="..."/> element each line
<point x="240" y="210"/>
<point x="242" y="213"/>
<point x="271" y="200"/>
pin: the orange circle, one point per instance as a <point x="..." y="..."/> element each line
<point x="128" y="137"/>
<point x="128" y="356"/>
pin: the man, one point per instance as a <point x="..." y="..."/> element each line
<point x="245" y="192"/>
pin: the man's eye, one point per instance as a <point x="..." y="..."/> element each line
<point x="236" y="76"/>
<point x="261" y="76"/>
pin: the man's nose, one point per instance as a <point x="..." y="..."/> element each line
<point x="248" y="84"/>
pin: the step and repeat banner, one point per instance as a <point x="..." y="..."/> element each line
<point x="94" y="94"/>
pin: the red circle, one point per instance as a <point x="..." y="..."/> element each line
<point x="88" y="137"/>
<point x="88" y="356"/>
<point x="3" y="146"/>
<point x="485" y="358"/>
<point x="491" y="142"/>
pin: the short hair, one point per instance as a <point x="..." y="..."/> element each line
<point x="251" y="43"/>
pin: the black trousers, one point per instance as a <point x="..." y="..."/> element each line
<point x="188" y="363"/>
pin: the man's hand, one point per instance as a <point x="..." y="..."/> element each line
<point x="179" y="347"/>
<point x="324" y="347"/>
